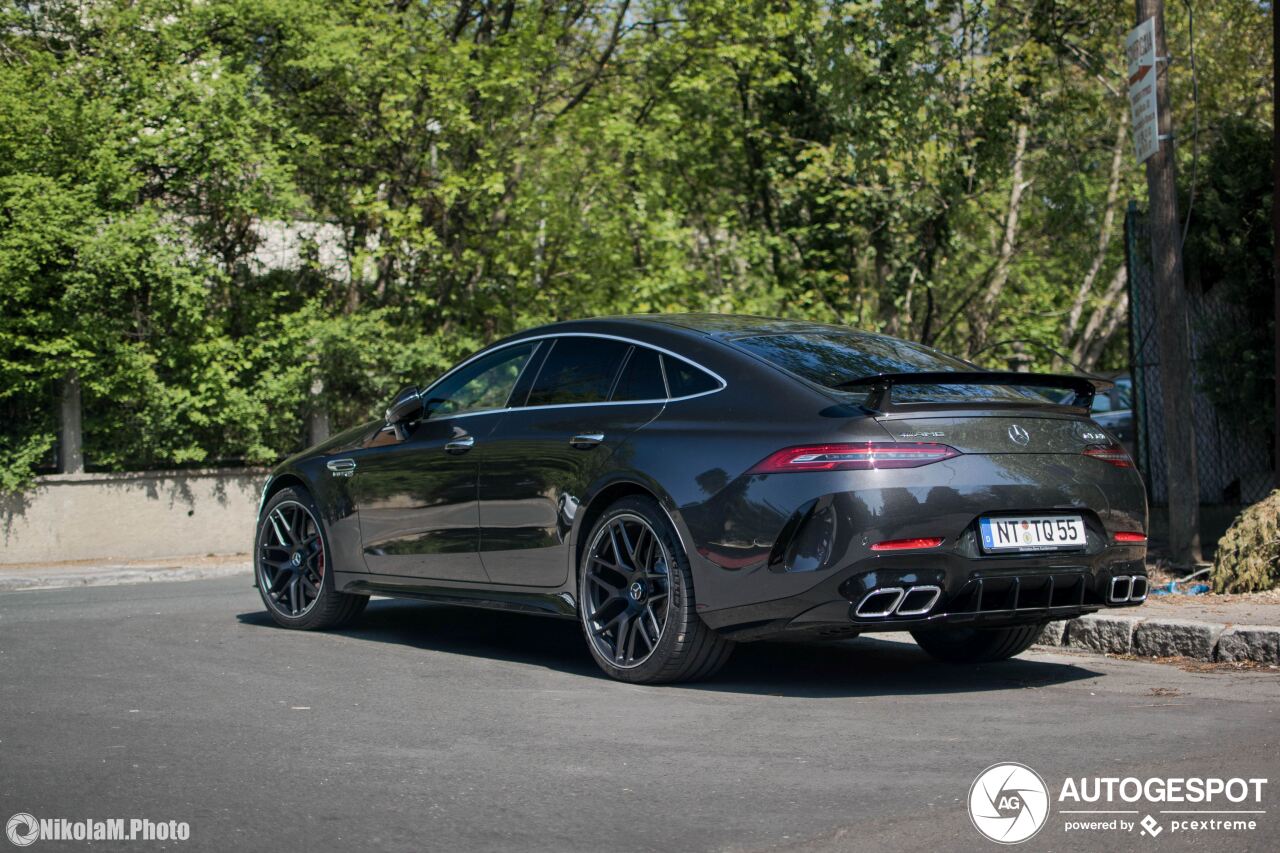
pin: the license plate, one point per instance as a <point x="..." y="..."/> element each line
<point x="1032" y="533"/>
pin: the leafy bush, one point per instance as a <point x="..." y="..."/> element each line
<point x="1248" y="558"/>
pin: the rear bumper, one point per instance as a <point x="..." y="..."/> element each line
<point x="918" y="590"/>
<point x="787" y="552"/>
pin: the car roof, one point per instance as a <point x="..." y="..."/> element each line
<point x="712" y="325"/>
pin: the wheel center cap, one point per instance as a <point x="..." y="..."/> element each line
<point x="297" y="558"/>
<point x="636" y="591"/>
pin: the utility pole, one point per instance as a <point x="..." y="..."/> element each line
<point x="1173" y="334"/>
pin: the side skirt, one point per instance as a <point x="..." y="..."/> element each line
<point x="558" y="604"/>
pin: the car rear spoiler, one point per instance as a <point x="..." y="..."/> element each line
<point x="880" y="387"/>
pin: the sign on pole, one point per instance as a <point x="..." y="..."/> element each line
<point x="1140" y="49"/>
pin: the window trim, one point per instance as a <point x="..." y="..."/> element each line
<point x="554" y="335"/>
<point x="533" y="354"/>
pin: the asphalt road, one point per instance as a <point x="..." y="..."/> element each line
<point x="435" y="728"/>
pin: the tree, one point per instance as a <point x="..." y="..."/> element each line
<point x="246" y="223"/>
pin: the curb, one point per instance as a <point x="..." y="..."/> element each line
<point x="1206" y="641"/>
<point x="117" y="577"/>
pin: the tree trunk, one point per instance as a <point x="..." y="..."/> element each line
<point x="983" y="316"/>
<point x="1071" y="337"/>
<point x="70" y="438"/>
<point x="318" y="416"/>
<point x="1106" y="331"/>
<point x="1019" y="361"/>
<point x="1173" y="335"/>
<point x="1112" y="306"/>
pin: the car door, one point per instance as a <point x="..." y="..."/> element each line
<point x="589" y="395"/>
<point x="415" y="491"/>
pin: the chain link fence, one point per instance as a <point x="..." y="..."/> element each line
<point x="1234" y="467"/>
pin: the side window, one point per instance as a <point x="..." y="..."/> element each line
<point x="578" y="370"/>
<point x="684" y="379"/>
<point x="484" y="384"/>
<point x="641" y="378"/>
<point x="1124" y="395"/>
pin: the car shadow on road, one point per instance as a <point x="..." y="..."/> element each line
<point x="864" y="666"/>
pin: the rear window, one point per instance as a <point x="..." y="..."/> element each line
<point x="832" y="358"/>
<point x="641" y="379"/>
<point x="685" y="380"/>
<point x="578" y="370"/>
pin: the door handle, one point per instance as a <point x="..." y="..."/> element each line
<point x="341" y="467"/>
<point x="460" y="445"/>
<point x="586" y="440"/>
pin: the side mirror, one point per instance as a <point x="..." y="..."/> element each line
<point x="406" y="405"/>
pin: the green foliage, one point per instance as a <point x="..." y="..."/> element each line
<point x="229" y="216"/>
<point x="1248" y="556"/>
<point x="1229" y="250"/>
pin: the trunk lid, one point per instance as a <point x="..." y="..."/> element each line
<point x="1003" y="433"/>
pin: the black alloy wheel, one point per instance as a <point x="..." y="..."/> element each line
<point x="291" y="558"/>
<point x="636" y="599"/>
<point x="627" y="596"/>
<point x="294" y="571"/>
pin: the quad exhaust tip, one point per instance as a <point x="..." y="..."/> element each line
<point x="881" y="602"/>
<point x="896" y="601"/>
<point x="919" y="600"/>
<point x="1128" y="588"/>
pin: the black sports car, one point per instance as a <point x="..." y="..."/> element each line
<point x="678" y="483"/>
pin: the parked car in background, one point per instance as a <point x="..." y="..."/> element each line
<point x="1113" y="409"/>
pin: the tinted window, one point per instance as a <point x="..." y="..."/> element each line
<point x="641" y="379"/>
<point x="830" y="358"/>
<point x="684" y="379"/>
<point x="578" y="370"/>
<point x="1123" y="393"/>
<point x="483" y="384"/>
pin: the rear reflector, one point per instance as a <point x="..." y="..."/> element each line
<point x="907" y="544"/>
<point x="1112" y="454"/>
<point x="1126" y="536"/>
<point x="854" y="457"/>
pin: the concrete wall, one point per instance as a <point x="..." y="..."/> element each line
<point x="130" y="516"/>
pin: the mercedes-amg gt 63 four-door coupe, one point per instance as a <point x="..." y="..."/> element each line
<point x="679" y="483"/>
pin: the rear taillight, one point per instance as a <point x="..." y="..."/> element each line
<point x="854" y="457"/>
<point x="907" y="544"/>
<point x="1112" y="454"/>
<point x="1128" y="536"/>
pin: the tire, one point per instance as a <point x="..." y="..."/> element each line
<point x="977" y="645"/>
<point x="686" y="649"/>
<point x="290" y="524"/>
